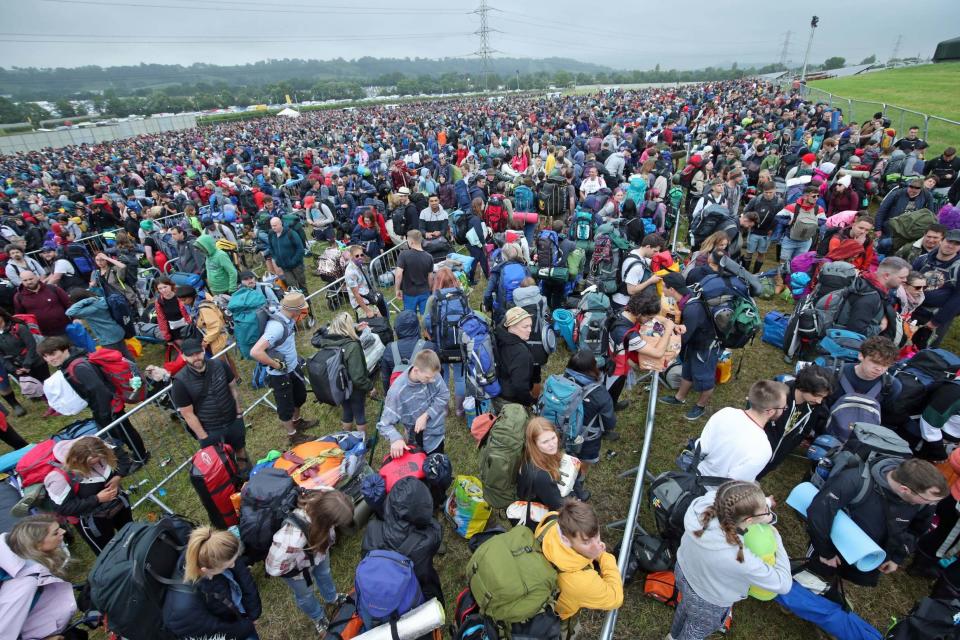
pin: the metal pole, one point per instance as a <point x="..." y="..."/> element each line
<point x="611" y="620"/>
<point x="806" y="55"/>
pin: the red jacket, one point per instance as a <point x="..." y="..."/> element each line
<point x="162" y="322"/>
<point x="860" y="255"/>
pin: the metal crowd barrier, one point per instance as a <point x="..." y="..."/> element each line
<point x="98" y="242"/>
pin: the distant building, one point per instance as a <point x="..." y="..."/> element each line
<point x="947" y="50"/>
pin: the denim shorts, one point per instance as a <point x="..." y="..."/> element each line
<point x="757" y="243"/>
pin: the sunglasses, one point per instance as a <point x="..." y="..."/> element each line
<point x="918" y="287"/>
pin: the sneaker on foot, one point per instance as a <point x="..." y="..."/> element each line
<point x="613" y="436"/>
<point x="671" y="400"/>
<point x="621" y="405"/>
<point x="695" y="413"/>
<point x="293" y="439"/>
<point x="321" y="625"/>
<point x="303" y="425"/>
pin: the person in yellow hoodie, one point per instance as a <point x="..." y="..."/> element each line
<point x="588" y="575"/>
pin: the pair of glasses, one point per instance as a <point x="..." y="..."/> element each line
<point x="918" y="287"/>
<point x="767" y="514"/>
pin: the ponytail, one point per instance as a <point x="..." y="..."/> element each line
<point x="209" y="548"/>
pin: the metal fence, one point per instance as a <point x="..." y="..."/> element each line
<point x="172" y="445"/>
<point x="94" y="135"/>
<point x="98" y="242"/>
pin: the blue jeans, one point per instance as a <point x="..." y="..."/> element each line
<point x="416" y="303"/>
<point x="303" y="593"/>
<point x="459" y="382"/>
<point x="789" y="249"/>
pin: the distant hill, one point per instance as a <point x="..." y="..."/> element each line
<point x="41" y="84"/>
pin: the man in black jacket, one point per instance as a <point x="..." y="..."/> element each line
<point x="868" y="299"/>
<point x="945" y="168"/>
<point x="896" y="509"/>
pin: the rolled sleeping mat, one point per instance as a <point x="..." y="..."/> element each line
<point x="855" y="546"/>
<point x="413" y="624"/>
<point x="466" y="261"/>
<point x="528" y="217"/>
<point x="563" y="322"/>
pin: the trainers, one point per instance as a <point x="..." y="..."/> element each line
<point x="811" y="582"/>
<point x="293" y="439"/>
<point x="621" y="405"/>
<point x="303" y="425"/>
<point x="695" y="413"/>
<point x="672" y="400"/>
<point x="321" y="626"/>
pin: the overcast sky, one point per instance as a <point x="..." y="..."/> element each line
<point x="684" y="34"/>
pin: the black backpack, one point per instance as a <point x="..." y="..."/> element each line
<point x="930" y="619"/>
<point x="671" y="493"/>
<point x="399" y="217"/>
<point x="131" y="576"/>
<point x="266" y="501"/>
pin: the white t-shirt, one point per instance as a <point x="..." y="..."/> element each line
<point x="733" y="446"/>
<point x="64" y="266"/>
<point x="635" y="269"/>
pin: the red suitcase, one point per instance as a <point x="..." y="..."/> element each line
<point x="214" y="476"/>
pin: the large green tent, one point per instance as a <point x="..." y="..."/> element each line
<point x="947" y="50"/>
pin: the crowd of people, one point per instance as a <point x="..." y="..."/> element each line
<point x="562" y="205"/>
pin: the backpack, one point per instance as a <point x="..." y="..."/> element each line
<point x="921" y="375"/>
<point x="834" y="276"/>
<point x="461" y="225"/>
<point x="131" y="575"/>
<point x="561" y="402"/>
<point x="510" y="578"/>
<point x="710" y="220"/>
<point x="400" y="365"/>
<point x="399" y="218"/>
<point x="851" y="407"/>
<point x="804" y="226"/>
<point x="495" y="213"/>
<point x="543" y="339"/>
<point x="909" y="227"/>
<point x="582" y="227"/>
<point x="386" y="588"/>
<point x="553" y="197"/>
<point x="501" y="452"/>
<point x="29" y="321"/>
<point x="730" y="307"/>
<point x="841" y="344"/>
<point x="868" y="444"/>
<point x="166" y="244"/>
<point x="266" y="501"/>
<point x="687" y="174"/>
<point x="930" y="619"/>
<point x="451" y="305"/>
<point x="823" y="245"/>
<point x="79" y="257"/>
<point x="575" y="260"/>
<point x="629" y="261"/>
<point x="463" y="194"/>
<point x="37" y="463"/>
<point x="264" y="315"/>
<point x="548" y="249"/>
<point x="329" y="379"/>
<point x="121" y="313"/>
<point x="670" y="496"/>
<point x="523" y="199"/>
<point x="591" y="326"/>
<point x="215" y="477"/>
<point x="118" y="373"/>
<point x="478" y="356"/>
<point x="833" y="309"/>
<point x="511" y="275"/>
<point x="608" y="249"/>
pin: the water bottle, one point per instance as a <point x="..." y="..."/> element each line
<point x="469" y="410"/>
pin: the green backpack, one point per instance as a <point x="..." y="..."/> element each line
<point x="575" y="261"/>
<point x="510" y="578"/>
<point x="500" y="456"/>
<point x="909" y="227"/>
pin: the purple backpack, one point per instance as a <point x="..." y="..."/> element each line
<point x="386" y="588"/>
<point x="804" y="262"/>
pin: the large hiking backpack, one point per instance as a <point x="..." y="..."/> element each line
<point x="553" y="197"/>
<point x="328" y="375"/>
<point x="561" y="402"/>
<point x="460" y="225"/>
<point x="386" y="588"/>
<point x="463" y="194"/>
<point x="852" y="407"/>
<point x="910" y="227"/>
<point x="582" y="227"/>
<point x="118" y="372"/>
<point x="78" y="256"/>
<point x="512" y="274"/>
<point x="500" y="455"/>
<point x="548" y="249"/>
<point x="478" y="356"/>
<point x="215" y="477"/>
<point x="930" y="619"/>
<point x="867" y="445"/>
<point x="243" y="307"/>
<point x="121" y="313"/>
<point x="266" y="501"/>
<point x="833" y="309"/>
<point x="543" y="339"/>
<point x="131" y="576"/>
<point x="805" y="225"/>
<point x="166" y="244"/>
<point x="710" y="220"/>
<point x="451" y="305"/>
<point x="834" y="276"/>
<point x="399" y="218"/>
<point x="523" y="199"/>
<point x="495" y="213"/>
<point x="608" y="250"/>
<point x="401" y="364"/>
<point x="670" y="496"/>
<point x="921" y="375"/>
<point x="730" y="307"/>
<point x="591" y="326"/>
<point x="510" y="578"/>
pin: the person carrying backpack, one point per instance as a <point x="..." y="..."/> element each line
<point x="802" y="219"/>
<point x="220" y="270"/>
<point x="91" y="308"/>
<point x="300" y="551"/>
<point x="342" y="335"/>
<point x="469" y="231"/>
<point x="587" y="574"/>
<point x="598" y="406"/>
<point x="714" y="569"/>
<point x="503" y="281"/>
<point x="864" y="391"/>
<point x="941" y="267"/>
<point x="445" y="307"/>
<point x="417" y="400"/>
<point x="92" y="384"/>
<point x="36" y="598"/>
<point x="636" y="273"/>
<point x="400" y="352"/>
<point x="896" y="510"/>
<point x="515" y="369"/>
<point x="218" y="596"/>
<point x="627" y="342"/>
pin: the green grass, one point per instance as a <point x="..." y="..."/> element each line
<point x="639" y="618"/>
<point x="933" y="89"/>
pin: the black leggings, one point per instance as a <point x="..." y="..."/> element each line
<point x="617" y="387"/>
<point x="128" y="434"/>
<point x="97" y="532"/>
<point x="13" y="439"/>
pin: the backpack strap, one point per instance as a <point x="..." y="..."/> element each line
<point x="395" y="351"/>
<point x="547" y="523"/>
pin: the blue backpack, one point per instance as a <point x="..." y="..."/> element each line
<point x="479" y="359"/>
<point x="121" y="313"/>
<point x="463" y="194"/>
<point x="582" y="225"/>
<point x="386" y="589"/>
<point x="548" y="249"/>
<point x="80" y="337"/>
<point x="841" y="344"/>
<point x="511" y="275"/>
<point x="562" y="404"/>
<point x="523" y="199"/>
<point x="730" y="307"/>
<point x="451" y="306"/>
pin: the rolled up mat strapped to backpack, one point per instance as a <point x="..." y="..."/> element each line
<point x="563" y="322"/>
<point x="466" y="261"/>
<point x="826" y="614"/>
<point x="413" y="624"/>
<point x="856" y="547"/>
<point x="528" y="217"/>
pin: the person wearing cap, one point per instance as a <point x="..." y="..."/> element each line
<point x="205" y="393"/>
<point x="277" y="350"/>
<point x="675" y="296"/>
<point x="515" y="368"/>
<point x="904" y="199"/>
<point x="802" y="219"/>
<point x="941" y="303"/>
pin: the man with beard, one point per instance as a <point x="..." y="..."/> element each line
<point x="205" y="394"/>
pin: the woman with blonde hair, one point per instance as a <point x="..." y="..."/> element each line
<point x="714" y="568"/>
<point x="446" y="286"/>
<point x="218" y="596"/>
<point x="85" y="488"/>
<point x="342" y="334"/>
<point x="35" y="600"/>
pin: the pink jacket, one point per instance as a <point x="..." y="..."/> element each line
<point x="53" y="610"/>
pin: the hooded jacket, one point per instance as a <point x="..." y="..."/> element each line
<point x="408" y="527"/>
<point x="286" y="249"/>
<point x="709" y="563"/>
<point x="191" y="259"/>
<point x="97" y="315"/>
<point x="864" y="307"/>
<point x="221" y="273"/>
<point x="76" y="497"/>
<point x="896" y="202"/>
<point x="53" y="609"/>
<point x="48" y="303"/>
<point x="581" y="584"/>
<point x="514" y="367"/>
<point x="795" y="423"/>
<point x="354" y="360"/>
<point x="407" y="328"/>
<point x="18" y="347"/>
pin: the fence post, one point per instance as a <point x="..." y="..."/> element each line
<point x="926" y="127"/>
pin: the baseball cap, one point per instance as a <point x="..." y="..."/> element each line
<point x="677" y="282"/>
<point x="191" y="346"/>
<point x="246" y="274"/>
<point x="514" y="316"/>
<point x="953" y="235"/>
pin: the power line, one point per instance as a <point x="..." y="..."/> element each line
<point x="484" y="32"/>
<point x="84" y="39"/>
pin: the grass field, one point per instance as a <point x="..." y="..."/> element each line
<point x="933" y="89"/>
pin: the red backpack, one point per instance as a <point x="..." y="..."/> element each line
<point x="495" y="213"/>
<point x="38" y="463"/>
<point x="409" y="464"/>
<point x="30" y="321"/>
<point x="119" y="372"/>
